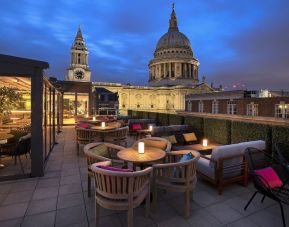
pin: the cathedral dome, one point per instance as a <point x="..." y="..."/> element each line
<point x="173" y="39"/>
<point x="173" y="63"/>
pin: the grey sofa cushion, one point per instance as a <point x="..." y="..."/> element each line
<point x="204" y="167"/>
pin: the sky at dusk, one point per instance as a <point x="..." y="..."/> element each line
<point x="244" y="43"/>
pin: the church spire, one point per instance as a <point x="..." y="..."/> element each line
<point x="79" y="34"/>
<point x="173" y="20"/>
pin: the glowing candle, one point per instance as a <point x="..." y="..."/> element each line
<point x="87" y="116"/>
<point x="94" y="118"/>
<point x="150" y="127"/>
<point x="205" y="142"/>
<point x="141" y="147"/>
<point x="103" y="124"/>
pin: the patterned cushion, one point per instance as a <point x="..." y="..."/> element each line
<point x="269" y="177"/>
<point x="156" y="144"/>
<point x="100" y="150"/>
<point x="190" y="137"/>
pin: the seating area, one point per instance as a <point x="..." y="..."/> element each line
<point x="143" y="182"/>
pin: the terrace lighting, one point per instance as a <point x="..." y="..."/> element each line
<point x="94" y="118"/>
<point x="103" y="124"/>
<point x="141" y="147"/>
<point x="150" y="128"/>
<point x="205" y="142"/>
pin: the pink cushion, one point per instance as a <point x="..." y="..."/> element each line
<point x="115" y="169"/>
<point x="136" y="127"/>
<point x="83" y="125"/>
<point x="270" y="177"/>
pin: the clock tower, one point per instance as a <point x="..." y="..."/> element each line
<point x="78" y="69"/>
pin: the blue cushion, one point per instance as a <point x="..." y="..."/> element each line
<point x="186" y="157"/>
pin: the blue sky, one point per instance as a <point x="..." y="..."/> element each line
<point x="243" y="43"/>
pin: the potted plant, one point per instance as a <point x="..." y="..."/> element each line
<point x="9" y="99"/>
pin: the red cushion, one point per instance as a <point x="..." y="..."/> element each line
<point x="83" y="125"/>
<point x="270" y="177"/>
<point x="115" y="169"/>
<point x="136" y="127"/>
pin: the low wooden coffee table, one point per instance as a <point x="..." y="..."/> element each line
<point x="200" y="148"/>
<point x="131" y="154"/>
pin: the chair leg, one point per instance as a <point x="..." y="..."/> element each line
<point x="282" y="213"/>
<point x="130" y="216"/>
<point x="245" y="208"/>
<point x="96" y="214"/>
<point x="263" y="199"/>
<point x="148" y="201"/>
<point x="154" y="204"/>
<point x="187" y="203"/>
<point x="21" y="164"/>
<point x="88" y="185"/>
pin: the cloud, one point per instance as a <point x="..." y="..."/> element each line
<point x="242" y="42"/>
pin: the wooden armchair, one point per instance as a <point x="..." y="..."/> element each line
<point x="93" y="156"/>
<point x="227" y="164"/>
<point x="121" y="190"/>
<point x="117" y="136"/>
<point x="176" y="176"/>
<point x="85" y="136"/>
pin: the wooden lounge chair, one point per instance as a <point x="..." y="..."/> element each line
<point x="121" y="190"/>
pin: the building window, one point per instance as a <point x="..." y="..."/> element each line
<point x="123" y="106"/>
<point x="201" y="106"/>
<point x="215" y="107"/>
<point x="190" y="106"/>
<point x="252" y="109"/>
<point x="138" y="106"/>
<point x="152" y="106"/>
<point x="231" y="107"/>
<point x="282" y="110"/>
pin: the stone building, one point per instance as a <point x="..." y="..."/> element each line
<point x="240" y="103"/>
<point x="173" y="74"/>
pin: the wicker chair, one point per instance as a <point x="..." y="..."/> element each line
<point x="168" y="144"/>
<point x="176" y="176"/>
<point x="117" y="136"/>
<point x="92" y="157"/>
<point x="121" y="190"/>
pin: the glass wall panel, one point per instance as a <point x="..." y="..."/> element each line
<point x="15" y="123"/>
<point x="69" y="108"/>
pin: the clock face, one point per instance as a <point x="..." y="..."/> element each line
<point x="79" y="75"/>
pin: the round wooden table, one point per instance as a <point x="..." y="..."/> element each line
<point x="150" y="154"/>
<point x="5" y="136"/>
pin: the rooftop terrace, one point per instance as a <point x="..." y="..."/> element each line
<point x="60" y="199"/>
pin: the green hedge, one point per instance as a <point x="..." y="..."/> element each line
<point x="197" y="124"/>
<point x="280" y="134"/>
<point x="162" y="119"/>
<point x="247" y="131"/>
<point x="217" y="130"/>
<point x="175" y="119"/>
